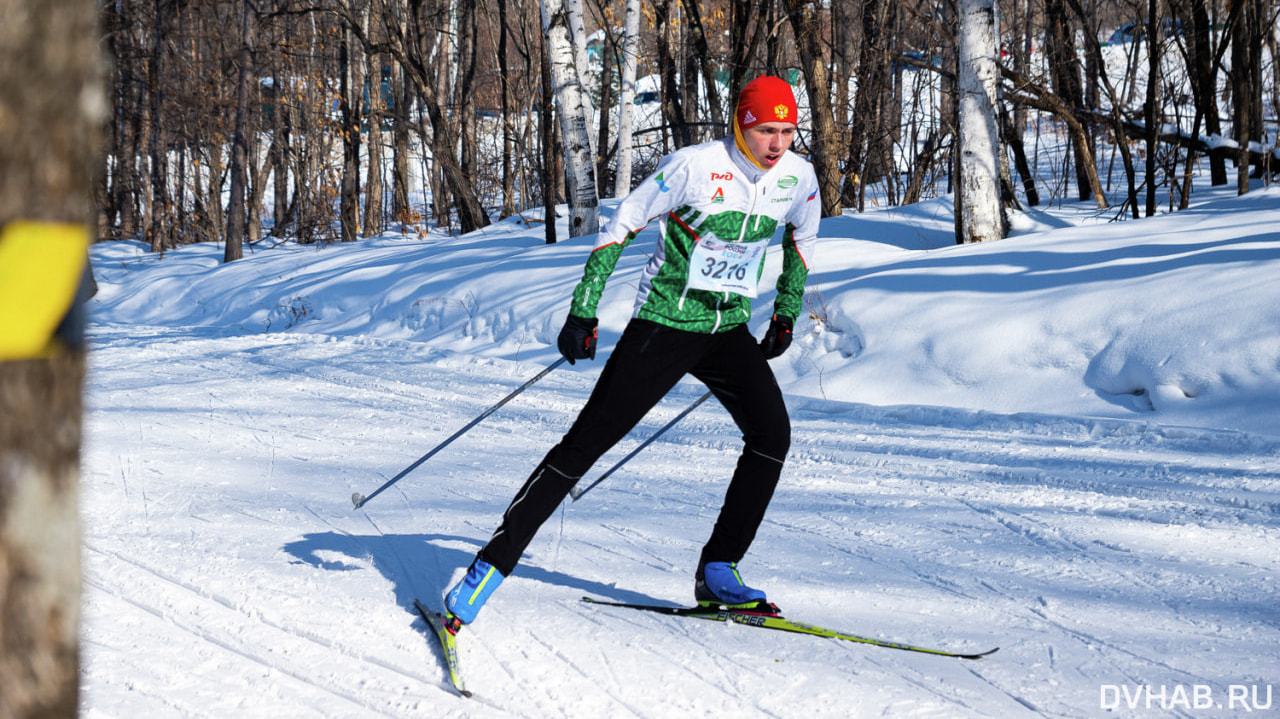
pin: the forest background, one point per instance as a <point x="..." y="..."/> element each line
<point x="326" y="120"/>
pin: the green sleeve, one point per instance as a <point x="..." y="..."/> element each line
<point x="586" y="296"/>
<point x="791" y="281"/>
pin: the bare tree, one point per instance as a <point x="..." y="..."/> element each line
<point x="1273" y="47"/>
<point x="1246" y="82"/>
<point x="240" y="142"/>
<point x="412" y="39"/>
<point x="505" y="78"/>
<point x="1151" y="106"/>
<point x="351" y="79"/>
<point x="630" y="54"/>
<point x="866" y="159"/>
<point x="157" y="224"/>
<point x="748" y="27"/>
<point x="372" y="219"/>
<point x="826" y="140"/>
<point x="674" y="114"/>
<point x="124" y="181"/>
<point x="465" y="90"/>
<point x="704" y="58"/>
<point x="552" y="175"/>
<point x="1203" y="63"/>
<point x="1064" y="71"/>
<point x="1116" y="114"/>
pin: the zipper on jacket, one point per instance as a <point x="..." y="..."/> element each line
<point x="756" y="190"/>
<point x="742" y="233"/>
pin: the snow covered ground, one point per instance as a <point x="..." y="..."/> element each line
<point x="1065" y="444"/>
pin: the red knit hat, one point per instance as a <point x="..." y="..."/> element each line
<point x="766" y="99"/>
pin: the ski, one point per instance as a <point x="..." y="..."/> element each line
<point x="770" y="619"/>
<point x="448" y="642"/>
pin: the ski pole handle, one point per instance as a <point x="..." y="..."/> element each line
<point x="359" y="499"/>
<point x="577" y="493"/>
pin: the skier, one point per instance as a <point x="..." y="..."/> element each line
<point x="719" y="203"/>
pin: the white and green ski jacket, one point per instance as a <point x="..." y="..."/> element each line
<point x="718" y="212"/>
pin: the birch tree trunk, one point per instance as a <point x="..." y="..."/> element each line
<point x="575" y="125"/>
<point x="53" y="104"/>
<point x="578" y="33"/>
<point x="978" y="210"/>
<point x="626" y="118"/>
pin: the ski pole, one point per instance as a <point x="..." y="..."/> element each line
<point x="359" y="499"/>
<point x="577" y="493"/>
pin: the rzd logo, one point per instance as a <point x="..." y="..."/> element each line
<point x="722" y="177"/>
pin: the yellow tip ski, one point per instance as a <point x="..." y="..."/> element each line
<point x="448" y="643"/>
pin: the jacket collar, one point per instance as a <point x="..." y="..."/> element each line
<point x="744" y="162"/>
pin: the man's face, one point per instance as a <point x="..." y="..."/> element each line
<point x="768" y="141"/>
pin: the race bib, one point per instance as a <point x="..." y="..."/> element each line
<point x="721" y="266"/>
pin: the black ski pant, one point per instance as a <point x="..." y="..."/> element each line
<point x="647" y="362"/>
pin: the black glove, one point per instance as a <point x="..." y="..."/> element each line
<point x="578" y="338"/>
<point x="778" y="338"/>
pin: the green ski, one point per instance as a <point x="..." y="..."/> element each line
<point x="448" y="642"/>
<point x="774" y="621"/>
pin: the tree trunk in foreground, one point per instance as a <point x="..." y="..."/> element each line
<point x="51" y="108"/>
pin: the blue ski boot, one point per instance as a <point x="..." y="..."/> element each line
<point x="464" y="601"/>
<point x="718" y="583"/>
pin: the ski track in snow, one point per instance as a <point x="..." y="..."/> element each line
<point x="227" y="574"/>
